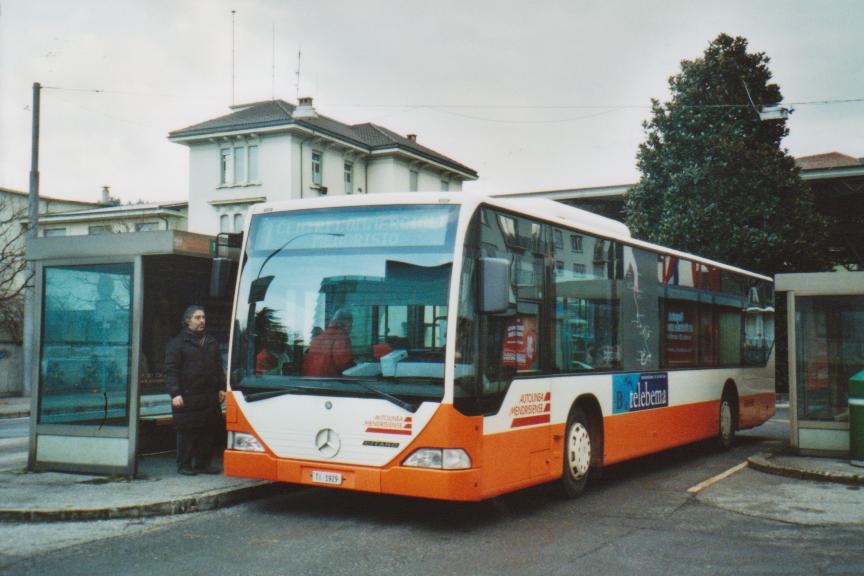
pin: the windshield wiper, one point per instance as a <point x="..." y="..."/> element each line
<point x="397" y="401"/>
<point x="272" y="393"/>
<point x="263" y="394"/>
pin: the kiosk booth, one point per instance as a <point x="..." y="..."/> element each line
<point x="826" y="350"/>
<point x="107" y="305"/>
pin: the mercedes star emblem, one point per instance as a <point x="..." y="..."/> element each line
<point x="327" y="442"/>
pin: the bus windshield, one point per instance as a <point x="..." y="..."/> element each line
<point x="345" y="301"/>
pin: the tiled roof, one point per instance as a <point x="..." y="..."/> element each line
<point x="828" y="161"/>
<point x="379" y="137"/>
<point x="273" y="113"/>
<point x="268" y="113"/>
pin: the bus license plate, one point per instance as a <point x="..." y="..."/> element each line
<point x="334" y="478"/>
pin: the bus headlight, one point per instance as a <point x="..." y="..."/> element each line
<point x="443" y="459"/>
<point x="245" y="442"/>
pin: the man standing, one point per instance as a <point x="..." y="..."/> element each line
<point x="196" y="383"/>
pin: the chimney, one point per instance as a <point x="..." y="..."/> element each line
<point x="412" y="137"/>
<point x="106" y="194"/>
<point x="305" y="109"/>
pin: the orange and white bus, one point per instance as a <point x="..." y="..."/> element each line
<point x="458" y="347"/>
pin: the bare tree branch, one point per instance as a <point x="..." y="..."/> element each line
<point x="13" y="267"/>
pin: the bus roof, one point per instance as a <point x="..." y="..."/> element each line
<point x="543" y="208"/>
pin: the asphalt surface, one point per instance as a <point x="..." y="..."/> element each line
<point x="638" y="518"/>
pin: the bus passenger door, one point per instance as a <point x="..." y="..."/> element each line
<point x="518" y="450"/>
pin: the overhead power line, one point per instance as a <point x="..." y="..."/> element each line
<point x="462" y="110"/>
<point x="476" y="106"/>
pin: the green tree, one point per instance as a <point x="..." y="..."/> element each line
<point x="715" y="180"/>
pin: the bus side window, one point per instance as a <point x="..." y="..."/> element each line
<point x="585" y="306"/>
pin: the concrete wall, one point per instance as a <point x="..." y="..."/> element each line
<point x="389" y="174"/>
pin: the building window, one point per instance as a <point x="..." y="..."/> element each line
<point x="146" y="226"/>
<point x="349" y="178"/>
<point x="226" y="166"/>
<point x="238" y="222"/>
<point x="54" y="232"/>
<point x="559" y="266"/>
<point x="224" y="223"/>
<point x="253" y="164"/>
<point x="317" y="168"/>
<point x="558" y="239"/>
<point x="576" y="243"/>
<point x="99" y="229"/>
<point x="238" y="165"/>
<point x="579" y="269"/>
<point x="413" y="181"/>
<point x="445" y="186"/>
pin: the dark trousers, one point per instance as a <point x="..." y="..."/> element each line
<point x="194" y="446"/>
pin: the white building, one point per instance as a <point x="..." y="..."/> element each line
<point x="273" y="150"/>
<point x="117" y="219"/>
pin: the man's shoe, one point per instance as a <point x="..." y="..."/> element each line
<point x="208" y="470"/>
<point x="187" y="472"/>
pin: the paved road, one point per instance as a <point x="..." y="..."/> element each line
<point x="638" y="519"/>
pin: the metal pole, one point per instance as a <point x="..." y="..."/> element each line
<point x="32" y="229"/>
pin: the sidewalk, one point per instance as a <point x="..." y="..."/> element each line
<point x="157" y="491"/>
<point x="807" y="467"/>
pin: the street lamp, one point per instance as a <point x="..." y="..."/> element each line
<point x="768" y="113"/>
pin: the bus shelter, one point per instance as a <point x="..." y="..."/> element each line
<point x="107" y="305"/>
<point x="825" y="331"/>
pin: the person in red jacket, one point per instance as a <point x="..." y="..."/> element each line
<point x="330" y="352"/>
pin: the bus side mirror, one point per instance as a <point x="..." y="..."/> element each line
<point x="219" y="275"/>
<point x="494" y="285"/>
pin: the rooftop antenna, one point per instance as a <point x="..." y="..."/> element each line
<point x="273" y="70"/>
<point x="299" y="58"/>
<point x="233" y="54"/>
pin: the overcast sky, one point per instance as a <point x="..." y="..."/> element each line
<point x="532" y="95"/>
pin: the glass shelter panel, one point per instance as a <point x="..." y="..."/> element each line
<point x="829" y="333"/>
<point x="86" y="345"/>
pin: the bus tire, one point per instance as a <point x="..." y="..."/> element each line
<point x="578" y="453"/>
<point x="728" y="421"/>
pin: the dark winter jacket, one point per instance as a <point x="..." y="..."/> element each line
<point x="193" y="370"/>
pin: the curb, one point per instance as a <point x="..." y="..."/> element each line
<point x="764" y="463"/>
<point x="196" y="503"/>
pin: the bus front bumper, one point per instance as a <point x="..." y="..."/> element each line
<point x="461" y="485"/>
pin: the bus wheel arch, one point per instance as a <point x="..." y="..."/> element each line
<point x="583" y="445"/>
<point x="729" y="415"/>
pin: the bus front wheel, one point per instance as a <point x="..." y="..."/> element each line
<point x="577" y="453"/>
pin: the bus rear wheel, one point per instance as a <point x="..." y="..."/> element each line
<point x="728" y="424"/>
<point x="578" y="452"/>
